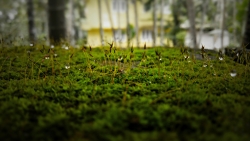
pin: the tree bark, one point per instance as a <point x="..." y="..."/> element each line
<point x="136" y="23"/>
<point x="204" y="4"/>
<point x="162" y="26"/>
<point x="175" y="12"/>
<point x="191" y="17"/>
<point x="110" y="17"/>
<point x="222" y="23"/>
<point x="31" y="22"/>
<point x="154" y="23"/>
<point x="57" y="28"/>
<point x="127" y="19"/>
<point x="246" y="39"/>
<point x="100" y="21"/>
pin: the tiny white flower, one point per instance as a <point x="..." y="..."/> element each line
<point x="67" y="66"/>
<point x="186" y="56"/>
<point x="120" y="58"/>
<point x="233" y="73"/>
<point x="221" y="58"/>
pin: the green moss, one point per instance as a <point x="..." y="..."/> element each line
<point x="135" y="98"/>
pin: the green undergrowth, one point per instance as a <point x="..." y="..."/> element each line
<point x="108" y="93"/>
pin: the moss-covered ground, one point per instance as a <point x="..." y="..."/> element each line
<point x="112" y="94"/>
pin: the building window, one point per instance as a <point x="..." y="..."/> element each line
<point x="119" y="36"/>
<point x="119" y="5"/>
<point x="147" y="36"/>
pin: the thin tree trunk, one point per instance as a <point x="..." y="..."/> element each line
<point x="175" y="11"/>
<point x="110" y="17"/>
<point x="222" y="23"/>
<point x="57" y="28"/>
<point x="234" y="22"/>
<point x="31" y="22"/>
<point x="71" y="22"/>
<point x="162" y="26"/>
<point x="155" y="23"/>
<point x="100" y="21"/>
<point x="136" y="23"/>
<point x="128" y="27"/>
<point x="246" y="39"/>
<point x="191" y="17"/>
<point x="119" y="24"/>
<point x="204" y="4"/>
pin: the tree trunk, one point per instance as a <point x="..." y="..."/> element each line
<point x="136" y="23"/>
<point x="234" y="24"/>
<point x="204" y="4"/>
<point x="119" y="24"/>
<point x="222" y="24"/>
<point x="175" y="12"/>
<point x="100" y="21"/>
<point x="127" y="19"/>
<point x="57" y="28"/>
<point x="246" y="39"/>
<point x="191" y="17"/>
<point x="154" y="23"/>
<point x="31" y="22"/>
<point x="110" y="17"/>
<point x="71" y="23"/>
<point x="162" y="26"/>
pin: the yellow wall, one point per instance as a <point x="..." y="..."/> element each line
<point x="91" y="23"/>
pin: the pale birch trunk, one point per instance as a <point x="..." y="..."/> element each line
<point x="119" y="24"/>
<point x="100" y="21"/>
<point x="234" y="23"/>
<point x="191" y="17"/>
<point x="154" y="23"/>
<point x="222" y="23"/>
<point x="70" y="23"/>
<point x="110" y="16"/>
<point x="127" y="19"/>
<point x="162" y="26"/>
<point x="136" y="23"/>
<point x="204" y="4"/>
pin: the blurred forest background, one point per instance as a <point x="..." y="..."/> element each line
<point x="41" y="20"/>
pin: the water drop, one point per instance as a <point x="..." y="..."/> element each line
<point x="120" y="58"/>
<point x="204" y="65"/>
<point x="67" y="66"/>
<point x="186" y="56"/>
<point x="233" y="73"/>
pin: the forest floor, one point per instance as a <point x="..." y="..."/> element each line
<point x="108" y="94"/>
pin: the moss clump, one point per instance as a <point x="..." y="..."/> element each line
<point x="134" y="94"/>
